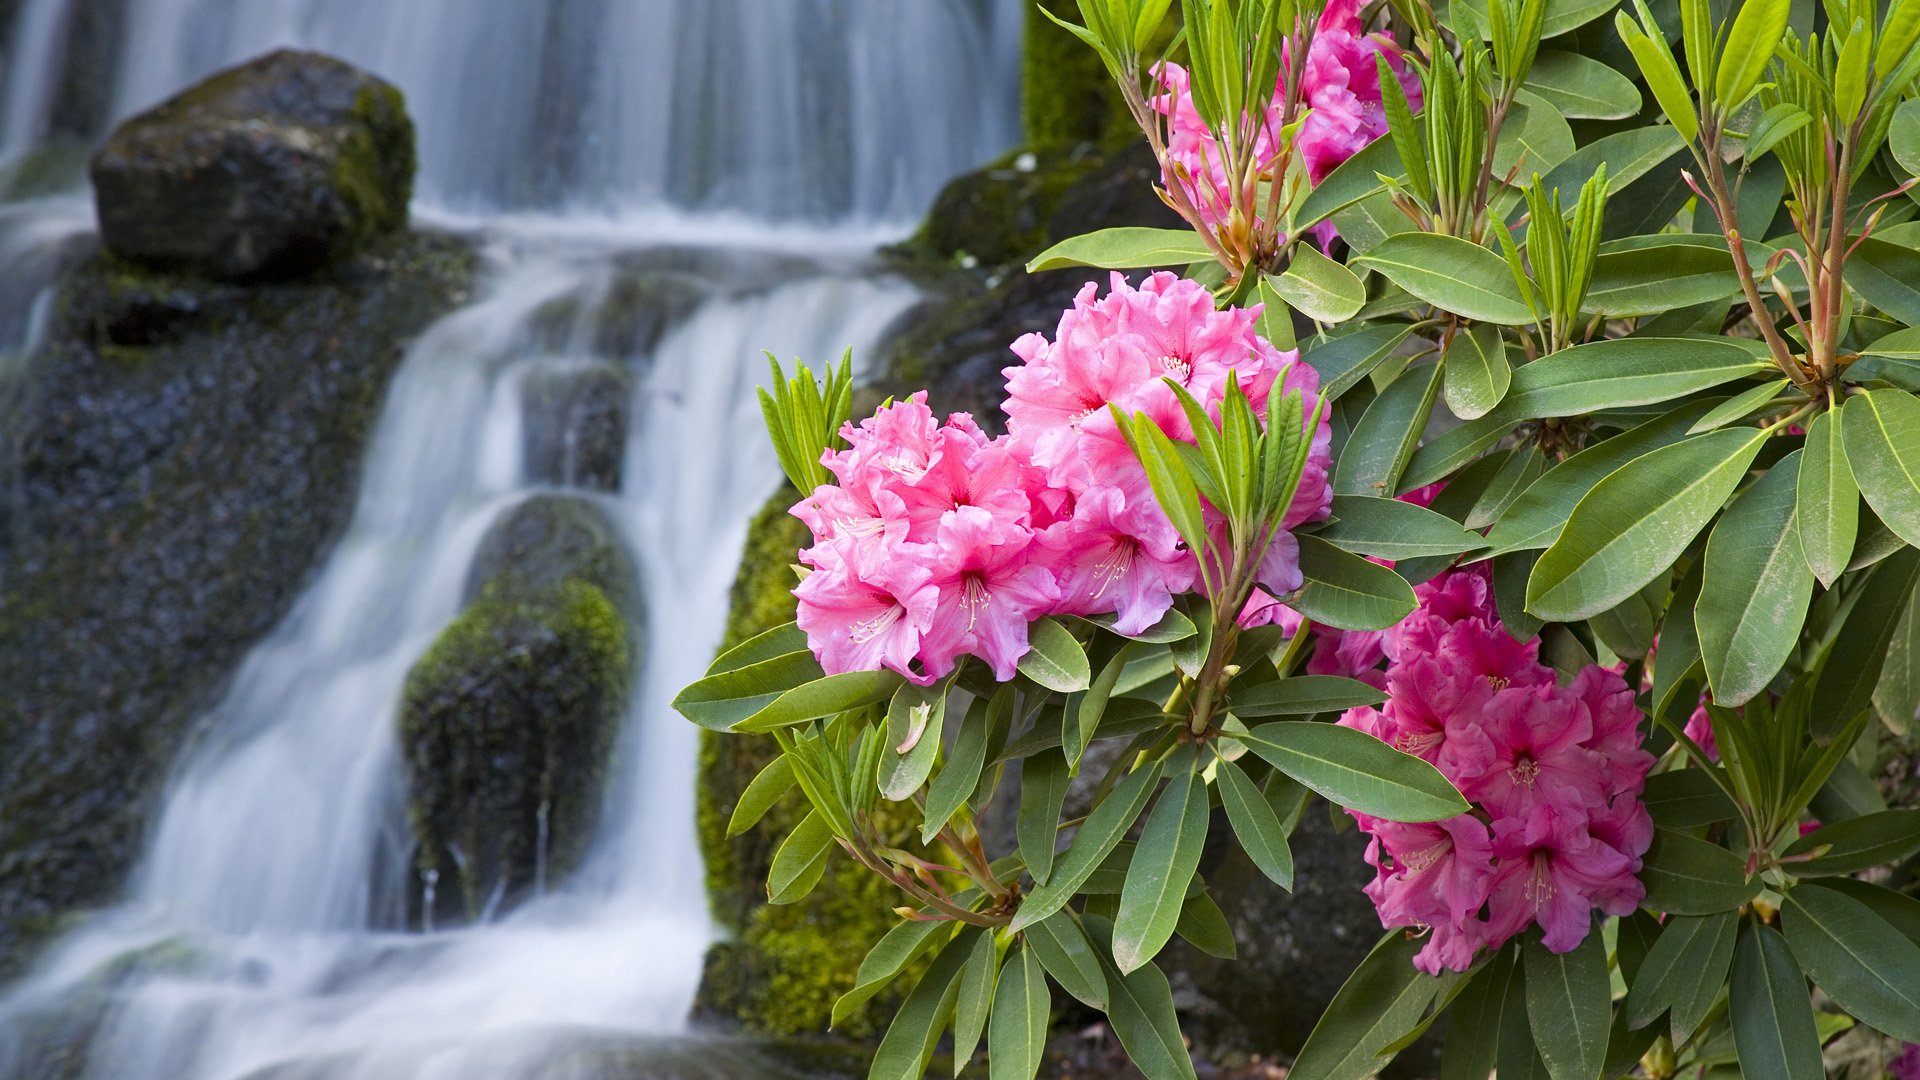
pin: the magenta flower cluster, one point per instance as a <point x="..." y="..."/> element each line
<point x="1554" y="772"/>
<point x="938" y="541"/>
<point x="1340" y="86"/>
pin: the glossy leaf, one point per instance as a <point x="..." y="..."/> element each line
<point x="766" y="789"/>
<point x="1451" y="274"/>
<point x="1683" y="972"/>
<point x="1348" y="592"/>
<point x="1021" y="1008"/>
<point x="1255" y="824"/>
<point x="1625" y="372"/>
<point x="726" y="697"/>
<point x="1164" y="861"/>
<point x="1063" y="948"/>
<point x="800" y="860"/>
<point x="974" y="1001"/>
<point x="1582" y="88"/>
<point x="1569" y="1006"/>
<point x="1857" y="844"/>
<point x="1687" y="876"/>
<point x="1636" y="522"/>
<point x="1344" y="360"/>
<point x="1475" y="1027"/>
<point x="1829" y="501"/>
<point x="1318" y="287"/>
<point x="1863" y="964"/>
<point x="823" y="697"/>
<point x="915" y="720"/>
<point x="1852" y="668"/>
<point x="890" y="956"/>
<point x="1384" y="440"/>
<point x="1356" y="770"/>
<point x="1043" y="788"/>
<point x="1477" y="371"/>
<point x="1103" y="830"/>
<point x="1124" y="249"/>
<point x="1754" y="596"/>
<point x="908" y="1045"/>
<point x="1648" y="275"/>
<point x="1140" y="1008"/>
<point x="1382" y="1001"/>
<point x="1392" y="529"/>
<point x="1684" y="798"/>
<point x="1758" y="27"/>
<point x="1303" y="695"/>
<point x="1773" y="1029"/>
<point x="1882" y="439"/>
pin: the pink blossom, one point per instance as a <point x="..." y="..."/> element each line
<point x="858" y="622"/>
<point x="1119" y="555"/>
<point x="989" y="589"/>
<point x="1550" y="868"/>
<point x="1700" y="729"/>
<point x="1433" y="875"/>
<point x="1907" y="1065"/>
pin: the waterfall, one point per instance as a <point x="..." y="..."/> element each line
<point x="759" y="148"/>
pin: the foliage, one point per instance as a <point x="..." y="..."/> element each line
<point x="1665" y="416"/>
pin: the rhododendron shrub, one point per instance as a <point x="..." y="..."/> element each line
<point x="1480" y="366"/>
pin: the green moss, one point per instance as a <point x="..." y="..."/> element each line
<point x="1066" y="96"/>
<point x="788" y="963"/>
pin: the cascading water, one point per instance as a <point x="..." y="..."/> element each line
<point x="264" y="933"/>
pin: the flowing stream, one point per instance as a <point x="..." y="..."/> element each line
<point x="755" y="151"/>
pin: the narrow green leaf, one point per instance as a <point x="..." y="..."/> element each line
<point x="724" y="698"/>
<point x="1882" y="441"/>
<point x="975" y="999"/>
<point x="1866" y="967"/>
<point x="1685" y="876"/>
<point x="761" y="793"/>
<point x="915" y="719"/>
<point x="1063" y="949"/>
<point x="1740" y="406"/>
<point x="1303" y="695"/>
<point x="1632" y="526"/>
<point x="1474" y="1030"/>
<point x="1903" y="134"/>
<point x="1043" y="788"/>
<point x="1773" y="1030"/>
<point x="1757" y="584"/>
<point x="1204" y="926"/>
<point x="1356" y="770"/>
<point x="1318" y="287"/>
<point x="1456" y="447"/>
<point x="1452" y="274"/>
<point x="1054" y="658"/>
<point x="777" y="642"/>
<point x="1581" y="88"/>
<point x="1628" y="155"/>
<point x="1099" y="834"/>
<point x="1351" y="181"/>
<point x="1384" y="440"/>
<point x="1758" y="28"/>
<point x="1391" y="529"/>
<point x="1684" y="798"/>
<point x="908" y="1045"/>
<point x="1124" y="249"/>
<point x="1569" y="1006"/>
<point x="1384" y="998"/>
<point x="823" y="697"/>
<point x="1858" y="655"/>
<point x="885" y="961"/>
<point x="1857" y="844"/>
<point x="959" y="776"/>
<point x="1163" y="863"/>
<point x="1683" y="972"/>
<point x="800" y="860"/>
<point x="1623" y="372"/>
<point x="1021" y="1007"/>
<point x="1140" y="1008"/>
<point x="1344" y="359"/>
<point x="1662" y="76"/>
<point x="1255" y="824"/>
<point x="1478" y="372"/>
<point x="1348" y="592"/>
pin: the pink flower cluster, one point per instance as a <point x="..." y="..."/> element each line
<point x="938" y="541"/>
<point x="1554" y="773"/>
<point x="1340" y="86"/>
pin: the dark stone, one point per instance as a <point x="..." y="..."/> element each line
<point x="507" y="721"/>
<point x="575" y="425"/>
<point x="270" y="169"/>
<point x="174" y="461"/>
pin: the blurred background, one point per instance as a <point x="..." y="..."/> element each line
<point x="378" y="451"/>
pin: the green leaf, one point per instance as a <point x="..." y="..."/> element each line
<point x="1517" y="1057"/>
<point x="1863" y="964"/>
<point x="1204" y="926"/>
<point x="1021" y="1007"/>
<point x="1054" y="658"/>
<point x="778" y="642"/>
<point x="1903" y="135"/>
<point x="1451" y="274"/>
<point x="1624" y="372"/>
<point x="1163" y="863"/>
<point x="1391" y="529"/>
<point x="1569" y="1006"/>
<point x="1632" y="526"/>
<point x="1383" y="1000"/>
<point x="1255" y="824"/>
<point x="1773" y="1031"/>
<point x="1534" y="139"/>
<point x="1141" y="1012"/>
<point x="1757" y="584"/>
<point x="1854" y="662"/>
<point x="1043" y="789"/>
<point x="1535" y="519"/>
<point x="1583" y="89"/>
<point x="1648" y="275"/>
<point x="1858" y="844"/>
<point x="1318" y="287"/>
<point x="1276" y="318"/>
<point x="1902" y="912"/>
<point x="1351" y="181"/>
<point x="1303" y="695"/>
<point x="1478" y="372"/>
<point x="1475" y="1028"/>
<point x="1662" y="76"/>
<point x="1167" y="473"/>
<point x="1684" y="798"/>
<point x="1103" y="830"/>
<point x="1082" y="715"/>
<point x="1683" y="972"/>
<point x="884" y="963"/>
<point x="1356" y="770"/>
<point x="1740" y="406"/>
<point x="908" y="1045"/>
<point x="1455" y="447"/>
<point x="1062" y="947"/>
<point x="1882" y="440"/>
<point x="1886" y="275"/>
<point x="724" y="698"/>
<point x="1778" y="122"/>
<point x="1344" y="359"/>
<point x="915" y="718"/>
<point x="1348" y="592"/>
<point x="974" y="1000"/>
<point x="1757" y="31"/>
<point x="1685" y="876"/>
<point x="823" y="697"/>
<point x="959" y="776"/>
<point x="1628" y="156"/>
<point x="800" y="860"/>
<point x="1125" y="249"/>
<point x="762" y="792"/>
<point x="1384" y="440"/>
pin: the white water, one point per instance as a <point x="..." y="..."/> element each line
<point x="263" y="919"/>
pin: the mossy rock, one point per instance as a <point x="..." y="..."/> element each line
<point x="1066" y="96"/>
<point x="574" y="427"/>
<point x="505" y="726"/>
<point x="785" y="964"/>
<point x="270" y="169"/>
<point x="180" y="453"/>
<point x="547" y="540"/>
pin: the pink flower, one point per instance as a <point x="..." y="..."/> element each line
<point x="1616" y="729"/>
<point x="1433" y="875"/>
<point x="1550" y="867"/>
<point x="1907" y="1065"/>
<point x="860" y="525"/>
<point x="989" y="589"/>
<point x="1700" y="729"/>
<point x="1120" y="555"/>
<point x="860" y="622"/>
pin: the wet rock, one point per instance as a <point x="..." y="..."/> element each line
<point x="576" y="425"/>
<point x="507" y="721"/>
<point x="176" y="458"/>
<point x="272" y="168"/>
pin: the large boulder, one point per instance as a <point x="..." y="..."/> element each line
<point x="269" y="169"/>
<point x="178" y="456"/>
<point x="507" y="721"/>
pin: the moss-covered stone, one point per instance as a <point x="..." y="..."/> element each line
<point x="505" y="726"/>
<point x="785" y="964"/>
<point x="1066" y="96"/>
<point x="176" y="458"/>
